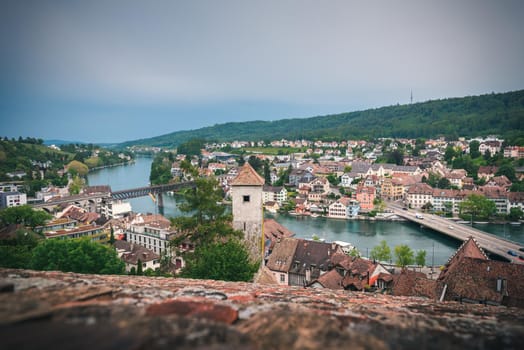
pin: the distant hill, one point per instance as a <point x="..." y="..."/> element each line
<point x="491" y="114"/>
<point x="62" y="142"/>
<point x="65" y="142"/>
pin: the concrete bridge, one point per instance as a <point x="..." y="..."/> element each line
<point x="490" y="243"/>
<point x="94" y="201"/>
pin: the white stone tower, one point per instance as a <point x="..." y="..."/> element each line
<point x="248" y="217"/>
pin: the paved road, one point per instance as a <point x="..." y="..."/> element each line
<point x="487" y="241"/>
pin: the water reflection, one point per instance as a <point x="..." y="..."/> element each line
<point x="363" y="234"/>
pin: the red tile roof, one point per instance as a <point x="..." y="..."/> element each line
<point x="413" y="283"/>
<point x="471" y="249"/>
<point x="247" y="176"/>
<point x="274" y="231"/>
<point x="330" y="280"/>
<point x="478" y="279"/>
<point x="282" y="256"/>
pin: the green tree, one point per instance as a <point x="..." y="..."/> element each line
<point x="476" y="206"/>
<point x="420" y="258"/>
<point x="76" y="255"/>
<point x="427" y="206"/>
<point x="77" y="168"/>
<point x="17" y="252"/>
<point x="515" y="214"/>
<point x="466" y="163"/>
<point x="474" y="149"/>
<point x="404" y="255"/>
<point x="381" y="252"/>
<point x="450" y="154"/>
<point x="333" y="179"/>
<point x="23" y="215"/>
<point x="354" y="253"/>
<point x="507" y="170"/>
<point x="395" y="157"/>
<point x="76" y="185"/>
<point x="112" y="236"/>
<point x="431" y="180"/>
<point x="267" y="173"/>
<point x="284" y="177"/>
<point x="517" y="186"/>
<point x="444" y="183"/>
<point x="209" y="220"/>
<point x="448" y="208"/>
<point x="192" y="147"/>
<point x="92" y="162"/>
<point x="227" y="261"/>
<point x="487" y="156"/>
<point x="160" y="170"/>
<point x="256" y="163"/>
<point x="139" y="271"/>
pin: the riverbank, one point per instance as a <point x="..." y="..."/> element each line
<point x="129" y="162"/>
<point x="362" y="233"/>
<point x="378" y="217"/>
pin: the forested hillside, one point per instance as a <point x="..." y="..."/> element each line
<point x="36" y="165"/>
<point x="492" y="114"/>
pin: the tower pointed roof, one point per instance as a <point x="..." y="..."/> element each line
<point x="469" y="249"/>
<point x="247" y="176"/>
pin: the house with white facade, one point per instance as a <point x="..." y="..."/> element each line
<point x="116" y="209"/>
<point x="12" y="199"/>
<point x="418" y="195"/>
<point x="347" y="179"/>
<point x="134" y="254"/>
<point x="456" y="178"/>
<point x="154" y="235"/>
<point x="274" y="194"/>
<point x="344" y="208"/>
<point x="447" y="201"/>
<point x="514" y="152"/>
<point x="516" y="200"/>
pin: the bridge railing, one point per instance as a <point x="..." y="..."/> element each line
<point x="144" y="191"/>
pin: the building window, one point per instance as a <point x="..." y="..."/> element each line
<point x="282" y="278"/>
<point x="245" y="198"/>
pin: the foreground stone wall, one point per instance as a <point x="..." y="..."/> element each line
<point x="44" y="310"/>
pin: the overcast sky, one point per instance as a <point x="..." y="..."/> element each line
<point x="111" y="71"/>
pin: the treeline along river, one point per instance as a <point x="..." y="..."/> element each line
<point x="362" y="234"/>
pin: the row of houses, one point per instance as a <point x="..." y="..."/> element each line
<point x="300" y="262"/>
<point x="420" y="194"/>
<point x="490" y="144"/>
<point x="468" y="276"/>
<point x="77" y="222"/>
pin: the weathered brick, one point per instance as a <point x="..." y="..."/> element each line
<point x="200" y="309"/>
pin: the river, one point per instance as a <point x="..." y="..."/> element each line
<point x="362" y="234"/>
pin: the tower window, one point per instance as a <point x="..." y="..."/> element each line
<point x="245" y="198"/>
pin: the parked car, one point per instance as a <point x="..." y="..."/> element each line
<point x="512" y="253"/>
<point x="450" y="227"/>
<point x="521" y="257"/>
<point x="521" y="249"/>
